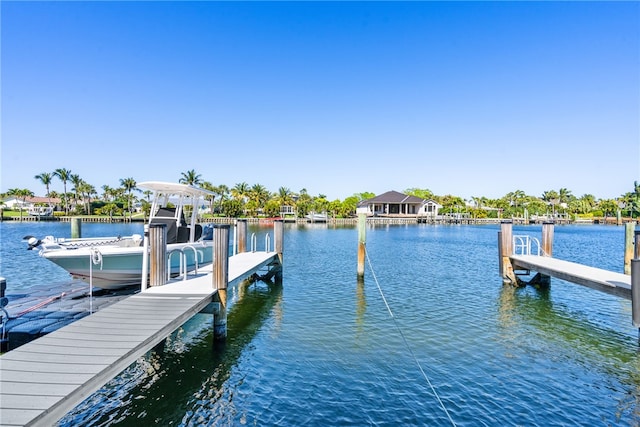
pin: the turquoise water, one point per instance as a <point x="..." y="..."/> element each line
<point x="323" y="349"/>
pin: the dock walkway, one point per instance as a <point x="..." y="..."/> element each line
<point x="43" y="380"/>
<point x="603" y="280"/>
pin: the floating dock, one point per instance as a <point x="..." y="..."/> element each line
<point x="44" y="379"/>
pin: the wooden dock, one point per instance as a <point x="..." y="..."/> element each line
<point x="602" y="280"/>
<point x="43" y="380"/>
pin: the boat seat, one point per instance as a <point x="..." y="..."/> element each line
<point x="172" y="230"/>
<point x="170" y="213"/>
<point x="183" y="234"/>
<point x="168" y="216"/>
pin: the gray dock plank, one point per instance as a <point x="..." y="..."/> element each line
<point x="44" y="379"/>
<point x="603" y="280"/>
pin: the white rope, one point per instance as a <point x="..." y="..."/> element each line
<point x="406" y="343"/>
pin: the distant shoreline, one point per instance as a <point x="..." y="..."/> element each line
<point x="443" y="219"/>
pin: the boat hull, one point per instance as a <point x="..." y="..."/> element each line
<point x="114" y="268"/>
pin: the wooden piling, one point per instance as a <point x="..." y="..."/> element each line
<point x="157" y="254"/>
<point x="635" y="292"/>
<point x="76" y="228"/>
<point x="362" y="240"/>
<point x="547" y="239"/>
<point x="505" y="246"/>
<point x="278" y="237"/>
<point x="636" y="245"/>
<point x="241" y="227"/>
<point x="629" y="229"/>
<point x="220" y="279"/>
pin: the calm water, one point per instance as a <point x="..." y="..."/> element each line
<point x="322" y="349"/>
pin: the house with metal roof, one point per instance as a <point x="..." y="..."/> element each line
<point x="394" y="203"/>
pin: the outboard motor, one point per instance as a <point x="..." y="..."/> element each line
<point x="207" y="232"/>
<point x="33" y="242"/>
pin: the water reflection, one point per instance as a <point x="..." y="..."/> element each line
<point x="361" y="306"/>
<point x="527" y="315"/>
<point x="184" y="380"/>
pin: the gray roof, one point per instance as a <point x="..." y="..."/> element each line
<point x="393" y="197"/>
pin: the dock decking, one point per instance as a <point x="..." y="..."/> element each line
<point x="44" y="379"/>
<point x="606" y="281"/>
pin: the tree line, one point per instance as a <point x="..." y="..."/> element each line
<point x="252" y="200"/>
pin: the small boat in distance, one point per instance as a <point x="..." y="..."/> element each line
<point x="317" y="217"/>
<point x="117" y="262"/>
<point x="40" y="211"/>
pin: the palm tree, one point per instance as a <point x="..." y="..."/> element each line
<point x="20" y="194"/>
<point x="77" y="182"/>
<point x="108" y="193"/>
<point x="45" y="178"/>
<point x="210" y="198"/>
<point x="190" y="177"/>
<point x="86" y="190"/>
<point x="258" y="196"/>
<point x="240" y="191"/>
<point x="222" y="192"/>
<point x="552" y="198"/>
<point x="129" y="184"/>
<point x="64" y="175"/>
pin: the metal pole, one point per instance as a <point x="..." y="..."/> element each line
<point x="220" y="279"/>
<point x="158" y="254"/>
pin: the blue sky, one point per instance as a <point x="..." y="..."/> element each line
<point x="469" y="99"/>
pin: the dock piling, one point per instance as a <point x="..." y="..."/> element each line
<point x="629" y="229"/>
<point x="547" y="238"/>
<point x="241" y="227"/>
<point x="362" y="240"/>
<point x="635" y="292"/>
<point x="220" y="279"/>
<point x="158" y="254"/>
<point x="76" y="228"/>
<point x="505" y="245"/>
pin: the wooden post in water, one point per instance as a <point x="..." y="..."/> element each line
<point x="157" y="254"/>
<point x="635" y="292"/>
<point x="547" y="238"/>
<point x="636" y="245"/>
<point x="241" y="227"/>
<point x="76" y="228"/>
<point x="629" y="229"/>
<point x="505" y="246"/>
<point x="362" y="240"/>
<point x="278" y="237"/>
<point x="220" y="279"/>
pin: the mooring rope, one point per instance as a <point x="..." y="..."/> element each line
<point x="406" y="343"/>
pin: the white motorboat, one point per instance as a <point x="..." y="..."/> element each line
<point x="317" y="217"/>
<point x="40" y="211"/>
<point x="116" y="262"/>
